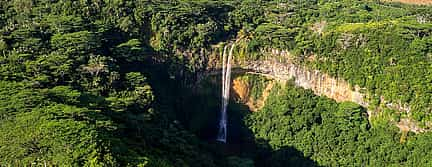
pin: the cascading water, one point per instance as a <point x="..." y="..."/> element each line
<point x="226" y="84"/>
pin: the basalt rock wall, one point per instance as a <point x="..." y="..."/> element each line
<point x="280" y="65"/>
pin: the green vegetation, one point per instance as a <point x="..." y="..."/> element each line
<point x="75" y="88"/>
<point x="115" y="83"/>
<point x="332" y="134"/>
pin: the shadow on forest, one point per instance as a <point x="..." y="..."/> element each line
<point x="198" y="109"/>
<point x="242" y="143"/>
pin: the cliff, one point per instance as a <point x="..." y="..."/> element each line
<point x="279" y="65"/>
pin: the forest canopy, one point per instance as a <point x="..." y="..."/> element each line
<point x="115" y="83"/>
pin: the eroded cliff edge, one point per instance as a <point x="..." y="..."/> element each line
<point x="281" y="66"/>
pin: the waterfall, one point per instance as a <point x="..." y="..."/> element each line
<point x="226" y="82"/>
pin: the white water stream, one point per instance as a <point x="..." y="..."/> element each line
<point x="226" y="85"/>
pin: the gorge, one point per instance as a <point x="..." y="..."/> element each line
<point x="215" y="83"/>
<point x="279" y="65"/>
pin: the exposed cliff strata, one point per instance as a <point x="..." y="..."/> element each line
<point x="242" y="91"/>
<point x="322" y="84"/>
<point x="279" y="65"/>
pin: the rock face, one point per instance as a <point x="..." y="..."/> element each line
<point x="320" y="83"/>
<point x="279" y="65"/>
<point x="242" y="89"/>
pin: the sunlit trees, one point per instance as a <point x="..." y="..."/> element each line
<point x="112" y="83"/>
<point x="330" y="133"/>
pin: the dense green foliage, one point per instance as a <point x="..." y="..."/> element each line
<point x="112" y="82"/>
<point x="389" y="58"/>
<point x="75" y="88"/>
<point x="333" y="134"/>
<point x="385" y="48"/>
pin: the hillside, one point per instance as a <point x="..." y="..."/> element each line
<point x="139" y="83"/>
